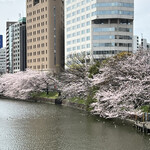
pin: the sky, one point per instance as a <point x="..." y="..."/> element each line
<point x="10" y="10"/>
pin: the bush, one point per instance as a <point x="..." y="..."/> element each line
<point x="145" y="108"/>
<point x="94" y="69"/>
<point x="90" y="98"/>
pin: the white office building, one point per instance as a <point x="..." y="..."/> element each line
<point x="140" y="44"/>
<point x="144" y="44"/>
<point x="100" y="28"/>
<point x="16" y="46"/>
<point x="136" y="43"/>
<point x="2" y="60"/>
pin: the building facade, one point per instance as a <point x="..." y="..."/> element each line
<point x="140" y="44"/>
<point x="45" y="34"/>
<point x="136" y="43"/>
<point x="144" y="44"/>
<point x="2" y="60"/>
<point x="16" y="46"/>
<point x="98" y="28"/>
<point x="1" y="41"/>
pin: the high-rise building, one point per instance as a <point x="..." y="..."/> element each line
<point x="98" y="28"/>
<point x="16" y="46"/>
<point x="2" y="60"/>
<point x="1" y="41"/>
<point x="45" y="34"/>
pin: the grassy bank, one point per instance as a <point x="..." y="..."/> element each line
<point x="50" y="95"/>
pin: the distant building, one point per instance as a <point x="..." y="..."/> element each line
<point x="2" y="60"/>
<point x="140" y="44"/>
<point x="45" y="34"/>
<point x="136" y="44"/>
<point x="144" y="44"/>
<point x="98" y="28"/>
<point x="148" y="46"/>
<point x="16" y="46"/>
<point x="1" y="41"/>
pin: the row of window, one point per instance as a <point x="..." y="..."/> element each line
<point x="37" y="60"/>
<point x="84" y="53"/>
<point x="37" y="11"/>
<point x="112" y="44"/>
<point x="37" y="53"/>
<point x="37" y="39"/>
<point x="78" y="33"/>
<point x="37" y="25"/>
<point x="38" y="67"/>
<point x="102" y="12"/>
<point x="100" y="45"/>
<point x="83" y="39"/>
<point x="103" y="37"/>
<point x="113" y="12"/>
<point x="79" y="11"/>
<point x="112" y="29"/>
<point x="77" y="20"/>
<point x="78" y="47"/>
<point x="37" y="18"/>
<point x="37" y="32"/>
<point x="37" y="46"/>
<point x="112" y="4"/>
<point x="34" y="2"/>
<point x="106" y="52"/>
<point x="83" y="2"/>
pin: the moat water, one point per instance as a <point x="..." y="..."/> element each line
<point x="36" y="126"/>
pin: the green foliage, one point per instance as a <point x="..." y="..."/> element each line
<point x="105" y="61"/>
<point x="118" y="57"/>
<point x="51" y="95"/>
<point x="90" y="98"/>
<point x="94" y="69"/>
<point x="122" y="55"/>
<point x="77" y="100"/>
<point x="145" y="108"/>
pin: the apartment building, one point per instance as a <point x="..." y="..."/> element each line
<point x="2" y="60"/>
<point x="45" y="34"/>
<point x="98" y="28"/>
<point x="16" y="46"/>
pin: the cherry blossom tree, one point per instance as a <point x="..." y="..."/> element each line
<point x="74" y="81"/>
<point x="20" y="85"/>
<point x="124" y="85"/>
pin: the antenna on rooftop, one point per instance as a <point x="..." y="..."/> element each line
<point x="142" y="35"/>
<point x="19" y="15"/>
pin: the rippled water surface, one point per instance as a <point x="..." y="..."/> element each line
<point x="34" y="126"/>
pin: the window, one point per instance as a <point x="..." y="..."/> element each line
<point x="36" y="2"/>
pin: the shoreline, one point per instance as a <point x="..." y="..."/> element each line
<point x="50" y="101"/>
<point x="65" y="103"/>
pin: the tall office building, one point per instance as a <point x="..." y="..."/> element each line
<point x="45" y="34"/>
<point x="1" y="41"/>
<point x="16" y="46"/>
<point x="2" y="60"/>
<point x="99" y="28"/>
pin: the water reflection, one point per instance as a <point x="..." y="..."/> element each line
<point x="34" y="126"/>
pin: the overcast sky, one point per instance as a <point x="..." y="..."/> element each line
<point x="10" y="10"/>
